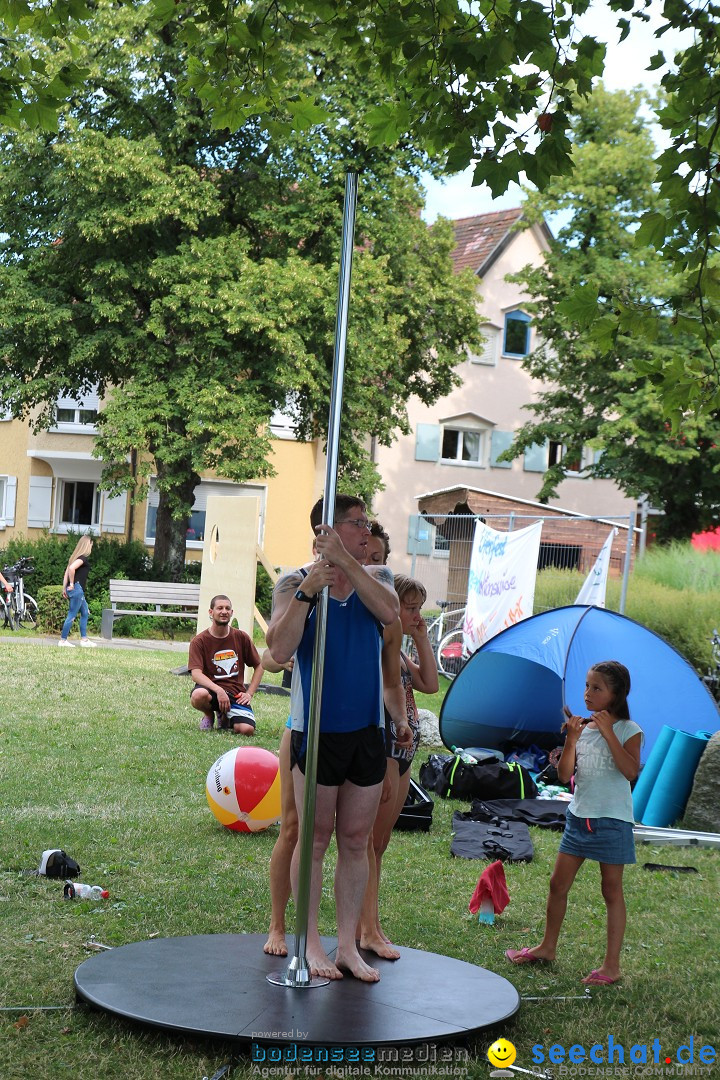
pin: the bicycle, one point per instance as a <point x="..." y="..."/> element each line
<point x="712" y="679"/>
<point x="447" y="623"/>
<point x="19" y="607"/>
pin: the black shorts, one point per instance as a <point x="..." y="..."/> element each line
<point x="248" y="718"/>
<point x="357" y="756"/>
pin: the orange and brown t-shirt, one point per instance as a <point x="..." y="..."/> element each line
<point x="224" y="659"/>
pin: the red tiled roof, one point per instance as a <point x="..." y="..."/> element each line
<point x="478" y="237"/>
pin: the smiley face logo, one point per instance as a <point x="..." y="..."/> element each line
<point x="502" y="1053"/>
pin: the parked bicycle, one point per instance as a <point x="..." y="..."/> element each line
<point x="712" y="679"/>
<point x="444" y="630"/>
<point x="19" y="607"/>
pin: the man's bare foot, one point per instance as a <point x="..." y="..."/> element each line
<point x="275" y="944"/>
<point x="379" y="945"/>
<point x="321" y="965"/>
<point x="354" y="963"/>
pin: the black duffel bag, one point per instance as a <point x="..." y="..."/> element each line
<point x="488" y="779"/>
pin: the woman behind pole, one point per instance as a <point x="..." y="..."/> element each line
<point x="74" y="581"/>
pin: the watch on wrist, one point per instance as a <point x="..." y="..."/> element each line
<point x="304" y="598"/>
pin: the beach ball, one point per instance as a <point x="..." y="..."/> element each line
<point x="243" y="789"/>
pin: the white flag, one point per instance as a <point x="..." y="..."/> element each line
<point x="592" y="592"/>
<point x="501" y="584"/>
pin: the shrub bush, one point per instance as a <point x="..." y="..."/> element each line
<point x="52" y="609"/>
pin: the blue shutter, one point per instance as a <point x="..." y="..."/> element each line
<point x="427" y="442"/>
<point x="536" y="458"/>
<point x="500" y="441"/>
<point x="420" y="541"/>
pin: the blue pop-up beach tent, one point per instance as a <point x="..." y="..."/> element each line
<point x="511" y="692"/>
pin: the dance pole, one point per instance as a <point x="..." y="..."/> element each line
<point x="298" y="973"/>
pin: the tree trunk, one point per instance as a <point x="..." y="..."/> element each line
<point x="173" y="517"/>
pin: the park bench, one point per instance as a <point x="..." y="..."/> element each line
<point x="171" y="600"/>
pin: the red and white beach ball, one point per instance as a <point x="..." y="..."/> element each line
<point x="243" y="789"/>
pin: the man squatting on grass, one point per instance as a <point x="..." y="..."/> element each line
<point x="217" y="660"/>
<point x="351" y="751"/>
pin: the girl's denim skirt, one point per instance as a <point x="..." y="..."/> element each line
<point x="603" y="839"/>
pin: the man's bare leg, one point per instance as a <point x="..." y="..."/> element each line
<point x="371" y="933"/>
<point x="325" y="800"/>
<point x="355" y="813"/>
<point x="282" y="853"/>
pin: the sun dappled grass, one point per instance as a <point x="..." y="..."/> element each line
<point x="100" y="755"/>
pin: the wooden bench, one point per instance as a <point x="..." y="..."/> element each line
<point x="165" y="595"/>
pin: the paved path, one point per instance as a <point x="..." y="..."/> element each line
<point x="102" y="643"/>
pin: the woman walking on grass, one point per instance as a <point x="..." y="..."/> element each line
<point x="603" y="751"/>
<point x="74" y="582"/>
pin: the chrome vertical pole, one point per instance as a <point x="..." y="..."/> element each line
<point x="298" y="973"/>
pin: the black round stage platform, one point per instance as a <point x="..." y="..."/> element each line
<point x="215" y="986"/>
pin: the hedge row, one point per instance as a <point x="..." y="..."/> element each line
<point x="685" y="617"/>
<point x="110" y="559"/>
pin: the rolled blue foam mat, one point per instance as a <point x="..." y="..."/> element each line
<point x="673" y="785"/>
<point x="648" y="776"/>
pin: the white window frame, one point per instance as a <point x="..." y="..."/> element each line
<point x="480" y="433"/>
<point x="3" y="497"/>
<point x="73" y="526"/>
<point x="88" y="402"/>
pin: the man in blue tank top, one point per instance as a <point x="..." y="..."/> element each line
<point x="351" y="749"/>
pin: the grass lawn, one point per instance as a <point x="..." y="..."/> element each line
<point x="100" y="754"/>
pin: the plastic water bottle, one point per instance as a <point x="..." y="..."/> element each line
<point x="76" y="890"/>
<point x="486" y="911"/>
<point x="467" y="759"/>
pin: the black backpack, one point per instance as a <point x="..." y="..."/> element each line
<point x="56" y="864"/>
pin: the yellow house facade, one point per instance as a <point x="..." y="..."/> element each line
<point x="50" y="483"/>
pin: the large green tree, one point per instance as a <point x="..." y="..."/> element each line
<point x="474" y="81"/>
<point x="191" y="273"/>
<point x="597" y="393"/>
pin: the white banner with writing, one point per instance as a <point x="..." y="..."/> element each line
<point x="593" y="589"/>
<point x="501" y="585"/>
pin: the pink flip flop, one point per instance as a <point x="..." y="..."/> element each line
<point x="596" y="978"/>
<point x="523" y="956"/>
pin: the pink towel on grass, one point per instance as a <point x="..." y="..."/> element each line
<point x="491" y="885"/>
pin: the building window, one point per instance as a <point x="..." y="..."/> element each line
<point x="195" y="534"/>
<point x="557" y="454"/>
<point x="441" y="546"/>
<point x="79" y="417"/>
<point x="517" y="334"/>
<point x="77" y="414"/>
<point x="561" y="556"/>
<point x="79" y="503"/>
<point x="461" y="446"/>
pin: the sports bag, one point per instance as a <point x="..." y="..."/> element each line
<point x="489" y="779"/>
<point x="506" y="841"/>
